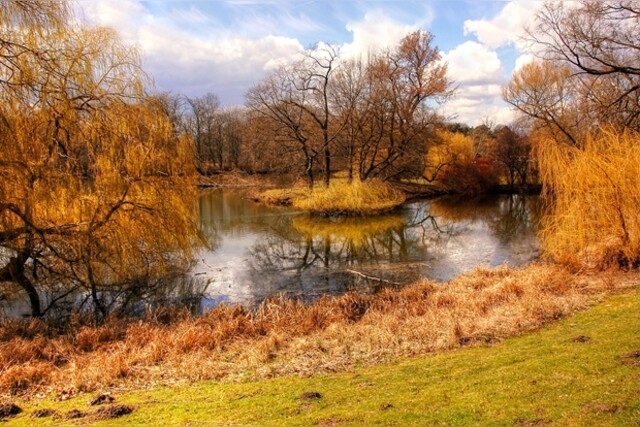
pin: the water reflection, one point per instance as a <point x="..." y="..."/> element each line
<point x="257" y="250"/>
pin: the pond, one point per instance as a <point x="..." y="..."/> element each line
<point x="256" y="251"/>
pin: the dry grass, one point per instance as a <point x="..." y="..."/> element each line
<point x="340" y="198"/>
<point x="284" y="336"/>
<point x="594" y="191"/>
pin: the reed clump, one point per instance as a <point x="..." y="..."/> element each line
<point x="285" y="336"/>
<point x="340" y="198"/>
<point x="593" y="193"/>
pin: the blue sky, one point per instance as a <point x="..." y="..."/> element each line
<point x="225" y="46"/>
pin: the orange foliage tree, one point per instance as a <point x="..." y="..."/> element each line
<point x="96" y="186"/>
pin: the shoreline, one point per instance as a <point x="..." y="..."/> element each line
<point x="590" y="360"/>
<point x="412" y="191"/>
<point x="284" y="336"/>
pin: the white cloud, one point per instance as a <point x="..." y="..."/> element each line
<point x="193" y="63"/>
<point x="471" y="62"/>
<point x="473" y="110"/>
<point x="378" y="31"/>
<point x="523" y="60"/>
<point x="505" y="28"/>
<point x="480" y="75"/>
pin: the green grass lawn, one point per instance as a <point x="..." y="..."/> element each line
<point x="541" y="378"/>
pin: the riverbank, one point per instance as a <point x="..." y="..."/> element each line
<point x="583" y="370"/>
<point x="236" y="179"/>
<point x="284" y="337"/>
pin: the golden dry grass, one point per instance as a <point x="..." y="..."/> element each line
<point x="284" y="336"/>
<point x="594" y="192"/>
<point x="340" y="198"/>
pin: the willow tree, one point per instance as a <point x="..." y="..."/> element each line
<point x="583" y="98"/>
<point x="96" y="186"/>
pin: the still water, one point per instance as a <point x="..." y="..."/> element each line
<point x="256" y="251"/>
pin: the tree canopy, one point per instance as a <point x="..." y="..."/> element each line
<point x="97" y="186"/>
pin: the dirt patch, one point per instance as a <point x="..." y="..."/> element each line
<point x="333" y="421"/>
<point x="633" y="358"/>
<point x="74" y="414"/>
<point x="114" y="411"/>
<point x="9" y="410"/>
<point x="311" y="395"/>
<point x="605" y="409"/>
<point x="582" y="339"/>
<point x="43" y="413"/>
<point x="102" y="399"/>
<point x="533" y="422"/>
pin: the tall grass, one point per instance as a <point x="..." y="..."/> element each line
<point x="594" y="195"/>
<point x="340" y="198"/>
<point x="285" y="336"/>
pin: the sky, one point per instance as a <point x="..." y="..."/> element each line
<point x="193" y="47"/>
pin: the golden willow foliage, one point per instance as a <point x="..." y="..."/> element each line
<point x="595" y="217"/>
<point x="586" y="81"/>
<point x="97" y="188"/>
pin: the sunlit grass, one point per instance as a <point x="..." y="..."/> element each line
<point x="340" y="198"/>
<point x="580" y="371"/>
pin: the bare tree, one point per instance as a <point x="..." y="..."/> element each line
<point x="599" y="43"/>
<point x="204" y="125"/>
<point x="278" y="99"/>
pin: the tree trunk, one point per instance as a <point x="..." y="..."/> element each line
<point x="14" y="272"/>
<point x="327" y="167"/>
<point x="309" y="172"/>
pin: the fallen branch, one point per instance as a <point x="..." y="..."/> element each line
<point x="377" y="279"/>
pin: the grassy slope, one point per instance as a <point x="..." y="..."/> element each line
<point x="539" y="378"/>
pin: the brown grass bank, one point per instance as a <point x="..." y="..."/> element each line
<point x="284" y="336"/>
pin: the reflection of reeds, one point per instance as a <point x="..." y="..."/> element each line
<point x="353" y="230"/>
<point x="595" y="195"/>
<point x="284" y="336"/>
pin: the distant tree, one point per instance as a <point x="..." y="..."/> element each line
<point x="458" y="127"/>
<point x="273" y="99"/>
<point x="203" y="124"/>
<point x="406" y="83"/>
<point x="513" y="152"/>
<point x="545" y="92"/>
<point x="455" y="164"/>
<point x="588" y="75"/>
<point x="378" y="114"/>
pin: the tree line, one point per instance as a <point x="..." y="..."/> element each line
<point x="375" y="118"/>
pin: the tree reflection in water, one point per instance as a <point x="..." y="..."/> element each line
<point x="260" y="250"/>
<point x="255" y="251"/>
